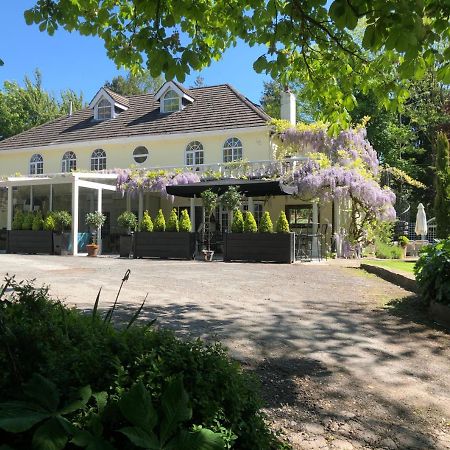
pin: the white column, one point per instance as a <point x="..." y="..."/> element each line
<point x="75" y="200"/>
<point x="31" y="198"/>
<point x="100" y="210"/>
<point x="141" y="207"/>
<point x="9" y="217"/>
<point x="251" y="205"/>
<point x="315" y="219"/>
<point x="50" y="199"/>
<point x="192" y="213"/>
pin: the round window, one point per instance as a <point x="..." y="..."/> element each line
<point x="140" y="154"/>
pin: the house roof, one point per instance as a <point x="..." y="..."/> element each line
<point x="117" y="97"/>
<point x="215" y="108"/>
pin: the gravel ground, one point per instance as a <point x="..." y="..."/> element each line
<point x="346" y="360"/>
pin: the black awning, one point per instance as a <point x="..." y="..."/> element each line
<point x="249" y="188"/>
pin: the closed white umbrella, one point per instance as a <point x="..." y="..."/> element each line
<point x="421" y="222"/>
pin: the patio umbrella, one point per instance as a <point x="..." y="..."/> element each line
<point x="421" y="222"/>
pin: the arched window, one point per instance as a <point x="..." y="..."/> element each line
<point x="171" y="101"/>
<point x="104" y="110"/>
<point x="232" y="150"/>
<point x="98" y="160"/>
<point x="140" y="154"/>
<point x="194" y="153"/>
<point x="69" y="162"/>
<point x="36" y="165"/>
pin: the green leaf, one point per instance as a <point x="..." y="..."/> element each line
<point x="50" y="436"/>
<point x="175" y="406"/>
<point x="136" y="406"/>
<point x="42" y="391"/>
<point x="83" y="438"/>
<point x="202" y="439"/>
<point x="84" y="394"/>
<point x="101" y="399"/>
<point x="140" y="438"/>
<point x="343" y="14"/>
<point x="16" y="417"/>
<point x="443" y="74"/>
<point x="29" y="16"/>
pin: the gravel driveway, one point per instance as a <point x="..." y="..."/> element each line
<point x="342" y="364"/>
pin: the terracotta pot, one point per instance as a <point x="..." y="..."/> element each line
<point x="92" y="249"/>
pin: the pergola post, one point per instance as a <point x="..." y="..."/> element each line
<point x="251" y="205"/>
<point x="50" y="199"/>
<point x="31" y="198"/>
<point x="192" y="213"/>
<point x="75" y="202"/>
<point x="100" y="210"/>
<point x="141" y="207"/>
<point x="315" y="224"/>
<point x="9" y="217"/>
<point x="128" y="202"/>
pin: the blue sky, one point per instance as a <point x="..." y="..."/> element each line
<point x="78" y="62"/>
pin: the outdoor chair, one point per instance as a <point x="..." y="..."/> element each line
<point x="306" y="239"/>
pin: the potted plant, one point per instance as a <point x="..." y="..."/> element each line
<point x="95" y="220"/>
<point x="127" y="221"/>
<point x="63" y="222"/>
<point x="403" y="242"/>
<point x="231" y="202"/>
<point x="209" y="200"/>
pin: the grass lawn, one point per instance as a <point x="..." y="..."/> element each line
<point x="394" y="264"/>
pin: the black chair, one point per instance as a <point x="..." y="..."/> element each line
<point x="307" y="238"/>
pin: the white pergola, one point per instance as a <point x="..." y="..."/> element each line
<point x="77" y="180"/>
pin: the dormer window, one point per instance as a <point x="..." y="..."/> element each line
<point x="104" y="110"/>
<point x="171" y="102"/>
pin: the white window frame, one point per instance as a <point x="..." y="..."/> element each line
<point x="140" y="155"/>
<point x="194" y="154"/>
<point x="172" y="103"/>
<point x="98" y="159"/>
<point x="69" y="162"/>
<point x="258" y="209"/>
<point x="232" y="150"/>
<point x="36" y="164"/>
<point x="102" y="107"/>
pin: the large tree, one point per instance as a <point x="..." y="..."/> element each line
<point x="307" y="40"/>
<point x="24" y="107"/>
<point x="442" y="174"/>
<point x="134" y="84"/>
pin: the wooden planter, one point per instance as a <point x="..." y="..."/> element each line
<point x="273" y="247"/>
<point x="31" y="242"/>
<point x="125" y="246"/>
<point x="164" y="245"/>
<point x="440" y="313"/>
<point x="61" y="243"/>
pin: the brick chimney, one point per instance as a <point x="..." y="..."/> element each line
<point x="288" y="107"/>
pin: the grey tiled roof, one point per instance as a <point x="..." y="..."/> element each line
<point x="117" y="97"/>
<point x="215" y="108"/>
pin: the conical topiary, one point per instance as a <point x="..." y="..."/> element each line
<point x="238" y="222"/>
<point x="282" y="223"/>
<point x="159" y="223"/>
<point x="250" y="223"/>
<point x="18" y="220"/>
<point x="185" y="222"/>
<point x="49" y="223"/>
<point x="146" y="223"/>
<point x="27" y="223"/>
<point x="266" y="226"/>
<point x="172" y="222"/>
<point x="38" y="222"/>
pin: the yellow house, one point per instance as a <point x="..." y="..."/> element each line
<point x="70" y="163"/>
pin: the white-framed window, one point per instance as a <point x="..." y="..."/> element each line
<point x="232" y="150"/>
<point x="194" y="153"/>
<point x="258" y="210"/>
<point x="171" y="101"/>
<point x="104" y="110"/>
<point x="36" y="164"/>
<point x="140" y="154"/>
<point x="69" y="162"/>
<point x="98" y="159"/>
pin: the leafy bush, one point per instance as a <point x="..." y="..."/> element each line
<point x="209" y="200"/>
<point x="266" y="226"/>
<point x="238" y="222"/>
<point x="231" y="199"/>
<point x="27" y="223"/>
<point x="387" y="251"/>
<point x="63" y="220"/>
<point x="95" y="219"/>
<point x="146" y="223"/>
<point x="18" y="220"/>
<point x="185" y="222"/>
<point x="403" y="241"/>
<point x="160" y="222"/>
<point x="128" y="221"/>
<point x="73" y="350"/>
<point x="250" y="223"/>
<point x="38" y="222"/>
<point x="432" y="272"/>
<point x="49" y="222"/>
<point x="282" y="223"/>
<point x="172" y="222"/>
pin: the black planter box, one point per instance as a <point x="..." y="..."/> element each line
<point x="30" y="242"/>
<point x="164" y="245"/>
<point x="270" y="247"/>
<point x="61" y="243"/>
<point x="125" y="246"/>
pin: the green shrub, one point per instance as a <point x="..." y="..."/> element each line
<point x="172" y="222"/>
<point x="282" y="223"/>
<point x="18" y="220"/>
<point x="238" y="222"/>
<point x="95" y="219"/>
<point x="160" y="222"/>
<point x="49" y="222"/>
<point x="432" y="272"/>
<point x="403" y="241"/>
<point x="72" y="349"/>
<point x="127" y="221"/>
<point x="27" y="223"/>
<point x="146" y="223"/>
<point x="185" y="222"/>
<point x="63" y="220"/>
<point x="231" y="199"/>
<point x="387" y="251"/>
<point x="266" y="226"/>
<point x="250" y="223"/>
<point x="38" y="222"/>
